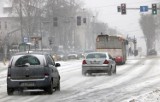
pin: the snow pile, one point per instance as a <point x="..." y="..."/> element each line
<point x="3" y="65"/>
<point x="153" y="96"/>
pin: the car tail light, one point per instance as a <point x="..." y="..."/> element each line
<point x="46" y="74"/>
<point x="84" y="62"/>
<point x="105" y="62"/>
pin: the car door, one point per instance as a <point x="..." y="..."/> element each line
<point x="53" y="70"/>
<point x="112" y="61"/>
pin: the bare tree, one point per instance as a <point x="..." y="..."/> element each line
<point x="29" y="12"/>
<point x="148" y="26"/>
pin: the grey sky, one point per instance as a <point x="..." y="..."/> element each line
<point x="108" y="13"/>
<point x="1" y="5"/>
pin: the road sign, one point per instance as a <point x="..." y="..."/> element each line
<point x="25" y="40"/>
<point x="143" y="8"/>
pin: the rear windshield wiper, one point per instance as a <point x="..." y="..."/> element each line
<point x="22" y="65"/>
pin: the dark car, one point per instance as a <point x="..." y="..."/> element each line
<point x="34" y="70"/>
<point x="152" y="52"/>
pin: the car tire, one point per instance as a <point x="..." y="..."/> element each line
<point x="58" y="87"/>
<point x="83" y="73"/>
<point x="49" y="89"/>
<point x="90" y="74"/>
<point x="110" y="72"/>
<point x="10" y="91"/>
<point x="115" y="70"/>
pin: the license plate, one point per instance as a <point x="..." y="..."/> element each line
<point x="28" y="84"/>
<point x="94" y="62"/>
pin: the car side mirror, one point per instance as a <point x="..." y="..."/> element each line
<point x="57" y="65"/>
<point x="9" y="66"/>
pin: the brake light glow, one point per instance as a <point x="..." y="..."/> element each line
<point x="84" y="62"/>
<point x="105" y="62"/>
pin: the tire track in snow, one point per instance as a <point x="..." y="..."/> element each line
<point x="121" y="84"/>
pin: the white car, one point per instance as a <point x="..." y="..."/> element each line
<point x="98" y="62"/>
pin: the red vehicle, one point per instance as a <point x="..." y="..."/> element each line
<point x="115" y="45"/>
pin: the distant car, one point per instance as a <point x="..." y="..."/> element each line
<point x="73" y="55"/>
<point x="152" y="52"/>
<point x="60" y="55"/>
<point x="34" y="70"/>
<point x="98" y="62"/>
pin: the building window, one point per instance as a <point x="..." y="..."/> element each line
<point x="5" y="25"/>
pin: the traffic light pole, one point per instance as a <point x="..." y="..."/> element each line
<point x="123" y="9"/>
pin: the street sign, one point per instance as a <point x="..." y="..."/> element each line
<point x="143" y="8"/>
<point x="25" y="40"/>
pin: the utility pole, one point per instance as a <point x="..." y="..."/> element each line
<point x="21" y="21"/>
<point x="41" y="24"/>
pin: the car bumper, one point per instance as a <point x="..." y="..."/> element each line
<point x="95" y="68"/>
<point x="29" y="83"/>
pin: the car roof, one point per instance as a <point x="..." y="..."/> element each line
<point x="97" y="52"/>
<point x="31" y="52"/>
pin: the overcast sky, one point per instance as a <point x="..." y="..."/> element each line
<point x="107" y="10"/>
<point x="1" y="5"/>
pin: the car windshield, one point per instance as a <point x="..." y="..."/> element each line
<point x="96" y="55"/>
<point x="27" y="60"/>
<point x="31" y="60"/>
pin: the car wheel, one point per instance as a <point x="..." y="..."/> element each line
<point x="58" y="86"/>
<point x="10" y="91"/>
<point x="110" y="72"/>
<point x="83" y="73"/>
<point x="115" y="70"/>
<point x="49" y="89"/>
<point x="89" y="73"/>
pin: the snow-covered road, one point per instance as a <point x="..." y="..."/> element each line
<point x="136" y="81"/>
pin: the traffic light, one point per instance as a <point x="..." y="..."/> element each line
<point x="55" y="21"/>
<point x="154" y="9"/>
<point x="36" y="43"/>
<point x="78" y="20"/>
<point x="84" y="20"/>
<point x="50" y="42"/>
<point x="123" y="9"/>
<point x="134" y="40"/>
<point x="119" y="8"/>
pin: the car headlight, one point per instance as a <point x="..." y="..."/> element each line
<point x="61" y="56"/>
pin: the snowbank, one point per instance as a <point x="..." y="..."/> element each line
<point x="153" y="96"/>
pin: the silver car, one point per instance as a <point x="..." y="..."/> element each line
<point x="98" y="62"/>
<point x="32" y="71"/>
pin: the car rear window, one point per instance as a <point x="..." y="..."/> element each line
<point x="22" y="60"/>
<point x="96" y="55"/>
